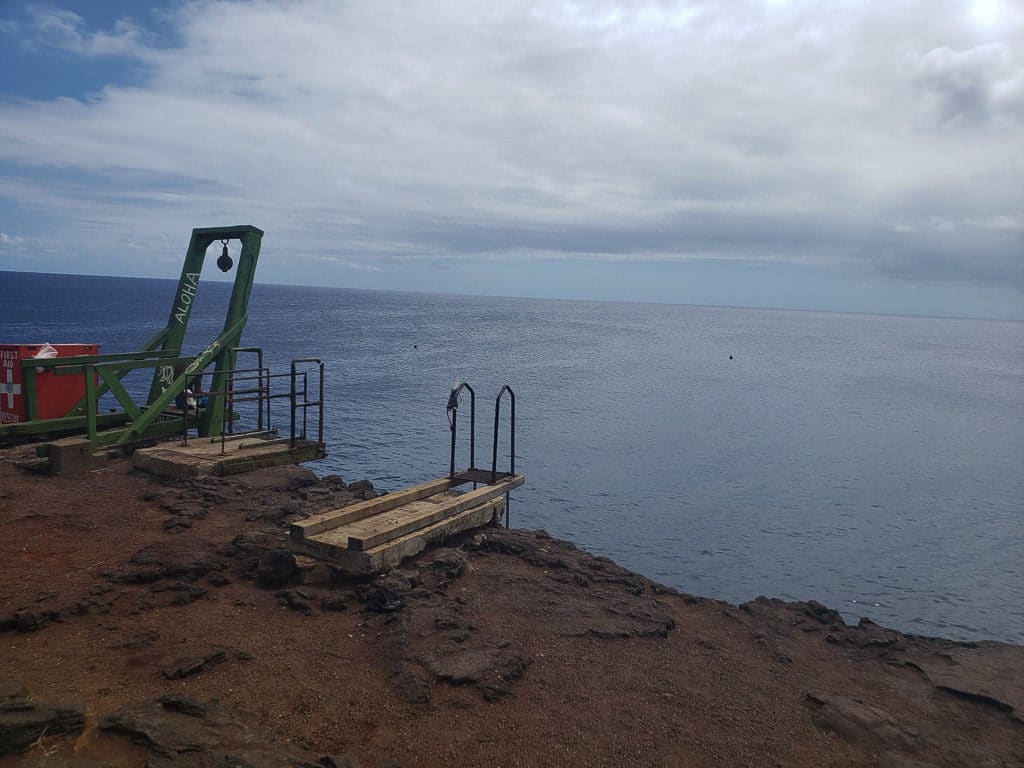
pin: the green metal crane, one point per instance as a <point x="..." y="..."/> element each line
<point x="172" y="372"/>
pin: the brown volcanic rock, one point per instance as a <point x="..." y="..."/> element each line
<point x="180" y="557"/>
<point x="501" y="647"/>
<point x="24" y="721"/>
<point x="861" y="723"/>
<point x="184" y="732"/>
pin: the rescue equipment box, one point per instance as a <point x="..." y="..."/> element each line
<point x="55" y="394"/>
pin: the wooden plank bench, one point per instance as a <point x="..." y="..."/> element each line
<point x="377" y="534"/>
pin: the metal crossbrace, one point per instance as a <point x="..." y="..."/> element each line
<point x="104" y="373"/>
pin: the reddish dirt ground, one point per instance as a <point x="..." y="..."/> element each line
<point x="505" y="648"/>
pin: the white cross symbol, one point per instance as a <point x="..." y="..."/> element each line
<point x="9" y="388"/>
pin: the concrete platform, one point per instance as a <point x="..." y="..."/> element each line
<point x="207" y="456"/>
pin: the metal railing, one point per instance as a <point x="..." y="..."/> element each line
<point x="262" y="394"/>
<point x="264" y="402"/>
<point x="473" y="473"/>
<point x="305" y="404"/>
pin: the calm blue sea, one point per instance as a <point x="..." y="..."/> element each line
<point x="875" y="464"/>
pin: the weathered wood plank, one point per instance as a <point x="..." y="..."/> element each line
<point x="376" y="533"/>
<point x="392" y="553"/>
<point x="334" y="518"/>
<point x="387" y="520"/>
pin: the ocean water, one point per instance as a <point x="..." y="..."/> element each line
<point x="872" y="463"/>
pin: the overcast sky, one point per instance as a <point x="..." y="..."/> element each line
<point x="848" y="155"/>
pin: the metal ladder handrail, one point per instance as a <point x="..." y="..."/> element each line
<point x="512" y="430"/>
<point x="305" y="404"/>
<point x="512" y="446"/>
<point x="453" y="410"/>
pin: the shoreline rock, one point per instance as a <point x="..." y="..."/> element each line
<point x="501" y="642"/>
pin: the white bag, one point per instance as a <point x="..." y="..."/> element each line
<point x="46" y="352"/>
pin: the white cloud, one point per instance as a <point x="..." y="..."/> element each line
<point x="969" y="85"/>
<point x="618" y="130"/>
<point x="65" y="30"/>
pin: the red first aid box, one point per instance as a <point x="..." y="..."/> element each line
<point x="55" y="395"/>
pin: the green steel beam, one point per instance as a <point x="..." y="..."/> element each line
<point x="63" y="424"/>
<point x="112" y="380"/>
<point x="212" y="419"/>
<point x="161" y="427"/>
<point x="91" y="409"/>
<point x="188" y="284"/>
<point x="107" y="357"/>
<point x="123" y="367"/>
<point x="111" y="374"/>
<point x="215" y="351"/>
<point x="112" y="367"/>
<point x="148" y="349"/>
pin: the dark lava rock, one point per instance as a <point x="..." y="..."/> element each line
<point x="183" y="733"/>
<point x="333" y="602"/>
<point x="348" y="760"/>
<point x="894" y="760"/>
<point x="977" y="698"/>
<point x="288" y="477"/>
<point x="822" y="614"/>
<point x="663" y="589"/>
<point x="491" y="669"/>
<point x="11" y="692"/>
<point x="859" y="723"/>
<point x="871" y="635"/>
<point x="186" y="705"/>
<point x="411" y="686"/>
<point x="621" y="619"/>
<point x="22" y="722"/>
<point x="29" y="621"/>
<point x="177" y="524"/>
<point x="294" y="599"/>
<point x="447" y="622"/>
<point x="449" y="562"/>
<point x="194" y="663"/>
<point x="252" y="543"/>
<point x="43" y="760"/>
<point x="184" y="593"/>
<point x="379" y="599"/>
<point x="495" y="542"/>
<point x="386" y="593"/>
<point x="183" y="557"/>
<point x="361" y="486"/>
<point x="186" y="510"/>
<point x="277" y="568"/>
<point x="164" y="730"/>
